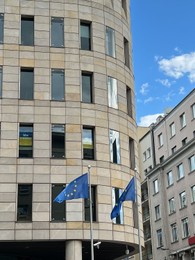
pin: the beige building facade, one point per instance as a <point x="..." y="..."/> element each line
<point x="67" y="101"/>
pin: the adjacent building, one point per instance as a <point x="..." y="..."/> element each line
<point x="67" y="101"/>
<point x="167" y="153"/>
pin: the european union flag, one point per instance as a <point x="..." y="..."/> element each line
<point x="76" y="189"/>
<point x="128" y="194"/>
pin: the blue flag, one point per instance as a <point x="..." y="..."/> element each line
<point x="128" y="194"/>
<point x="76" y="189"/>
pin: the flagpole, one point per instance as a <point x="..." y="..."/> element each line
<point x="91" y="216"/>
<point x="140" y="248"/>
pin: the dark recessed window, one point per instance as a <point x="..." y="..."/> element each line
<point x="132" y="153"/>
<point x="24" y="207"/>
<point x="58" y="209"/>
<point x="88" y="143"/>
<point x="57" y="32"/>
<point x="85" y="34"/>
<point x="1" y="80"/>
<point x="57" y="84"/>
<point x="126" y="52"/>
<point x="1" y="27"/>
<point x="27" y="30"/>
<point x="26" y="141"/>
<point x="86" y="87"/>
<point x="129" y="102"/>
<point x="26" y="83"/>
<point x="87" y="205"/>
<point x="58" y="141"/>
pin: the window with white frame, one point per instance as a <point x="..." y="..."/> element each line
<point x="185" y="227"/>
<point x="193" y="111"/>
<point x="160" y="139"/>
<point x="172" y="129"/>
<point x="112" y="93"/>
<point x="116" y="193"/>
<point x="174" y="233"/>
<point x="182" y="197"/>
<point x="183" y="120"/>
<point x="172" y="206"/>
<point x="155" y="186"/>
<point x="192" y="163"/>
<point x="180" y="171"/>
<point x="169" y="178"/>
<point x="159" y="238"/>
<point x="193" y="193"/>
<point x="157" y="212"/>
<point x="110" y="42"/>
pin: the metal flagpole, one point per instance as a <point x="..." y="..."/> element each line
<point x="140" y="248"/>
<point x="91" y="216"/>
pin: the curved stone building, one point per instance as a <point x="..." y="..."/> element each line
<point x="67" y="101"/>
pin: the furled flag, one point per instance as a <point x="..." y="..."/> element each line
<point x="76" y="189"/>
<point x="128" y="194"/>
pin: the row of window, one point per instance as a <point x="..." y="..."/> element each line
<point x="174" y="232"/>
<point x="172" y="204"/>
<point x="58" y="211"/>
<point x="58" y="87"/>
<point x="57" y="35"/>
<point x="58" y="143"/>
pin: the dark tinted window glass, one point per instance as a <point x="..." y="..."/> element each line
<point x="129" y="101"/>
<point x="87" y="87"/>
<point x="57" y="84"/>
<point x="58" y="209"/>
<point x="88" y="143"/>
<point x="26" y="83"/>
<point x="85" y="36"/>
<point x="27" y="30"/>
<point x="58" y="141"/>
<point x="1" y="27"/>
<point x="87" y="205"/>
<point x="57" y="32"/>
<point x="26" y="141"/>
<point x="126" y="52"/>
<point x="24" y="209"/>
<point x="1" y="80"/>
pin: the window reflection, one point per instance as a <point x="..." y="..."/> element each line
<point x="114" y="147"/>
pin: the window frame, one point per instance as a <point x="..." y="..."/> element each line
<point x="183" y="200"/>
<point x="60" y="154"/>
<point x="185" y="228"/>
<point x="155" y="186"/>
<point x="193" y="193"/>
<point x="171" y="204"/>
<point x="1" y="81"/>
<point x="25" y="94"/>
<point x="174" y="233"/>
<point x="57" y="87"/>
<point x="26" y="139"/>
<point x="56" y="207"/>
<point x="157" y="212"/>
<point x="192" y="163"/>
<point x="112" y="92"/>
<point x="172" y="129"/>
<point x="26" y="203"/>
<point x="1" y="28"/>
<point x="126" y="52"/>
<point x="87" y="87"/>
<point x="170" y="178"/>
<point x="88" y="25"/>
<point x="193" y="111"/>
<point x="183" y="120"/>
<point x="159" y="237"/>
<point x="57" y="21"/>
<point x="129" y="101"/>
<point x="180" y="171"/>
<point x="116" y="193"/>
<point x="110" y="42"/>
<point x="94" y="205"/>
<point x="115" y="153"/>
<point x="91" y="155"/>
<point x="160" y="140"/>
<point x="25" y="38"/>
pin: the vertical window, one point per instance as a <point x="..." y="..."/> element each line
<point x="155" y="186"/>
<point x="192" y="163"/>
<point x="182" y="197"/>
<point x="172" y="129"/>
<point x="129" y="102"/>
<point x="58" y="210"/>
<point x="57" y="32"/>
<point x="112" y="93"/>
<point x="173" y="149"/>
<point x="57" y="84"/>
<point x="87" y="95"/>
<point x="85" y="34"/>
<point x="157" y="212"/>
<point x="174" y="234"/>
<point x="124" y="5"/>
<point x="193" y="111"/>
<point x="1" y="27"/>
<point x="180" y="171"/>
<point x="24" y="206"/>
<point x="116" y="193"/>
<point x="27" y="30"/>
<point x="87" y="205"/>
<point x="26" y="83"/>
<point x="88" y="143"/>
<point x="114" y="147"/>
<point x="132" y="153"/>
<point x="183" y="120"/>
<point x="171" y="206"/>
<point x="159" y="238"/>
<point x="185" y="227"/>
<point x="1" y="80"/>
<point x="169" y="178"/>
<point x="193" y="193"/>
<point x="148" y="153"/>
<point x="26" y="141"/>
<point x="110" y="42"/>
<point x="184" y="141"/>
<point x="160" y="139"/>
<point x="58" y="141"/>
<point x="126" y="52"/>
<point x="144" y="156"/>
